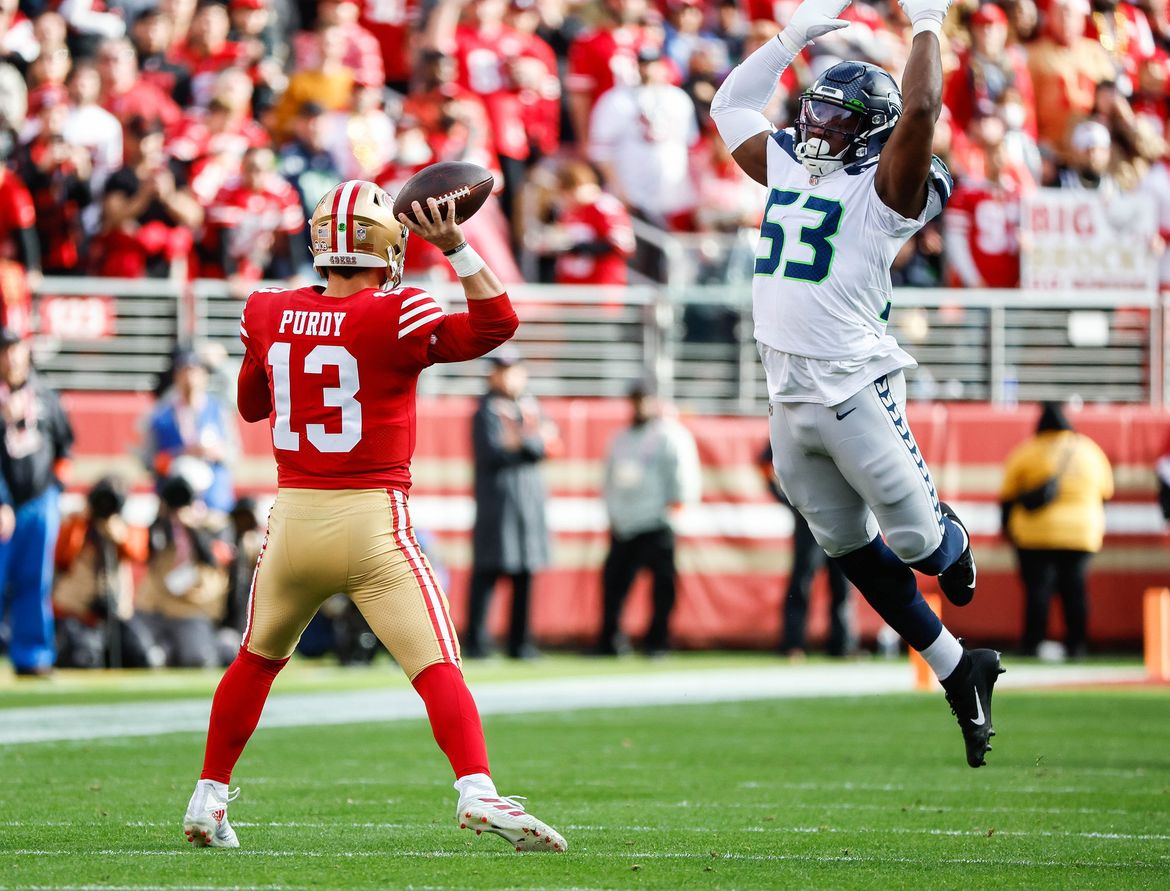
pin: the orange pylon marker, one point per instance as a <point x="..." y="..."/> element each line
<point x="923" y="676"/>
<point x="1156" y="614"/>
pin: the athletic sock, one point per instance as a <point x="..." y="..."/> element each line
<point x="476" y="785"/>
<point x="454" y="718"/>
<point x="944" y="656"/>
<point x="889" y="586"/>
<point x="235" y="711"/>
<point x="950" y="549"/>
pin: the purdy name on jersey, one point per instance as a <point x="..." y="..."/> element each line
<point x="821" y="287"/>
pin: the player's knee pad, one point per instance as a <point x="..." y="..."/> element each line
<point x="913" y="545"/>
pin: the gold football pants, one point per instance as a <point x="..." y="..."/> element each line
<point x="358" y="542"/>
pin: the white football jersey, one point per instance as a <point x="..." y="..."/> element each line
<point x="821" y="291"/>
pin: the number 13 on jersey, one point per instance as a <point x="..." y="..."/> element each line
<point x="341" y="397"/>
<point x="817" y="237"/>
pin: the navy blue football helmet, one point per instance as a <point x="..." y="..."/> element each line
<point x="854" y="99"/>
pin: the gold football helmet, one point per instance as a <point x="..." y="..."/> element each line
<point x="354" y="226"/>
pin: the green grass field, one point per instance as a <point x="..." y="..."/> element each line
<point x="866" y="792"/>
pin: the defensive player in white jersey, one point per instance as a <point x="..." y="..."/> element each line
<point x="848" y="185"/>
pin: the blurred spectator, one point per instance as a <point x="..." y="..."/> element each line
<point x="20" y="250"/>
<point x="982" y="222"/>
<point x="361" y="138"/>
<point x="361" y="52"/>
<point x="17" y="39"/>
<point x="808" y="558"/>
<point x="246" y="534"/>
<point x="91" y="127"/>
<point x="207" y="51"/>
<point x="1135" y="142"/>
<point x="152" y="36"/>
<point x="330" y="83"/>
<point x="1089" y="156"/>
<point x="182" y="597"/>
<point x="1162" y="470"/>
<point x="651" y="471"/>
<point x="536" y="76"/>
<point x="58" y="175"/>
<point x="1156" y="184"/>
<point x="987" y="71"/>
<point x="394" y="25"/>
<point x="306" y="163"/>
<point x="93" y="595"/>
<point x="728" y="199"/>
<point x="147" y="210"/>
<point x="213" y="141"/>
<point x="13" y="100"/>
<point x="640" y="137"/>
<point x="686" y="35"/>
<point x="33" y="467"/>
<point x="592" y="238"/>
<point x="89" y="22"/>
<point x="1053" y="493"/>
<point x="1066" y="67"/>
<point x="191" y="423"/>
<point x="252" y="27"/>
<point x="489" y="54"/>
<point x="254" y="226"/>
<point x="603" y="58"/>
<point x="510" y="438"/>
<point x="53" y="62"/>
<point x="453" y="119"/>
<point x="125" y="93"/>
<point x="1124" y="33"/>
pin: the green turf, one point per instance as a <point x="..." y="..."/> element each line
<point x="310" y="675"/>
<point x="834" y="793"/>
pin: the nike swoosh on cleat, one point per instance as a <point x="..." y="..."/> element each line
<point x="841" y="417"/>
<point x="979" y="720"/>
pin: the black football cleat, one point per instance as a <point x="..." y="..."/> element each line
<point x="968" y="692"/>
<point x="957" y="581"/>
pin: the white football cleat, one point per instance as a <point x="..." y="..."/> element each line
<point x="206" y="824"/>
<point x="507" y="818"/>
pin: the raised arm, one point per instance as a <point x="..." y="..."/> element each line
<point x="904" y="166"/>
<point x="738" y="106"/>
<point x="490" y="319"/>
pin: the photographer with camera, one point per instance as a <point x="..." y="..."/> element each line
<point x="183" y="597"/>
<point x="93" y="596"/>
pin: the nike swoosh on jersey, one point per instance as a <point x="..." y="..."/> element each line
<point x="841" y="417"/>
<point x="978" y="720"/>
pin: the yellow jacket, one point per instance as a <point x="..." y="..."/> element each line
<point x="1075" y="519"/>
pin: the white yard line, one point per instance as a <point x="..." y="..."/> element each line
<point x="631" y="857"/>
<point x="46" y="723"/>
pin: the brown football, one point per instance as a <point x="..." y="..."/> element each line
<point x="468" y="184"/>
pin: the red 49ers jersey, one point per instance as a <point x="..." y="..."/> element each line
<point x="337" y="377"/>
<point x="988" y="216"/>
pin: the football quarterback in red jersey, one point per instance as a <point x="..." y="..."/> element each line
<point x="334" y="368"/>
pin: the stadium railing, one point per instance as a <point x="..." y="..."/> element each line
<point x="694" y="339"/>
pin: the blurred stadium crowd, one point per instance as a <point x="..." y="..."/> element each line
<point x="137" y="133"/>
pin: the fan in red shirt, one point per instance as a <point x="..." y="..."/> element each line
<point x="125" y="94"/>
<point x="392" y="22"/>
<point x="594" y="235"/>
<point x="601" y="58"/>
<point x="253" y="224"/>
<point x="363" y="54"/>
<point x="982" y="223"/>
<point x="207" y="50"/>
<point x="20" y="251"/>
<point x="334" y="370"/>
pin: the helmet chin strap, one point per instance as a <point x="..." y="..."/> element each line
<point x="814" y="154"/>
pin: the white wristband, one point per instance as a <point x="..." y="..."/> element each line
<point x="465" y="261"/>
<point x="923" y="25"/>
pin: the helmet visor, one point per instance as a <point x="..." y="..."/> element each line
<point x="830" y="117"/>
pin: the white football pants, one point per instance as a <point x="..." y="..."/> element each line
<point x="854" y="469"/>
